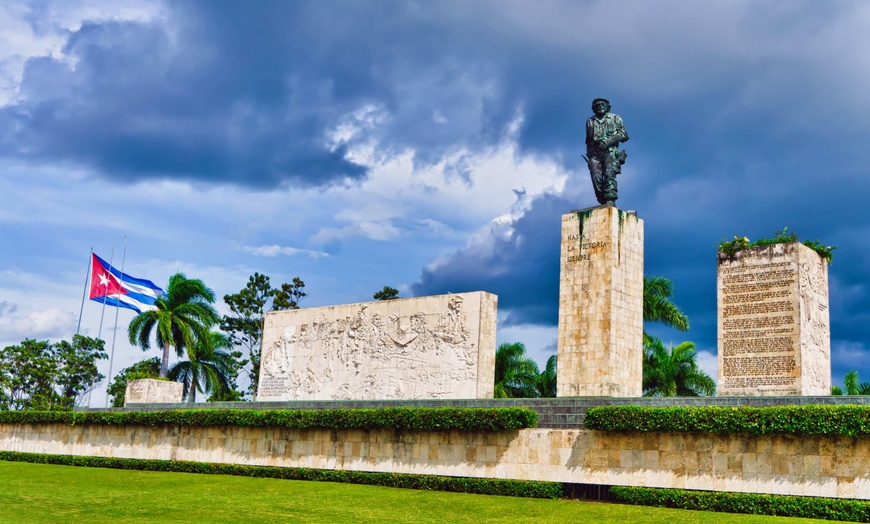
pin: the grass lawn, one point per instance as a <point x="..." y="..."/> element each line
<point x="48" y="493"/>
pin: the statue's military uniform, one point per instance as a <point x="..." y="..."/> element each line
<point x="605" y="162"/>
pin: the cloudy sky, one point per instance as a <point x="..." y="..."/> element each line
<point x="430" y="146"/>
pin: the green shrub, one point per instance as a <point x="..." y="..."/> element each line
<point x="841" y="420"/>
<point x="752" y="503"/>
<point x="511" y="488"/>
<point x="422" y="419"/>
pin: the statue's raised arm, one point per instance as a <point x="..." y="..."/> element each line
<point x="604" y="132"/>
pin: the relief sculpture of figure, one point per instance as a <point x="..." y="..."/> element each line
<point x="604" y="132"/>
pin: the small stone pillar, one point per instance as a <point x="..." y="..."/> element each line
<point x="774" y="325"/>
<point x="601" y="304"/>
<point x="152" y="391"/>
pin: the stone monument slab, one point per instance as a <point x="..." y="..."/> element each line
<point x="440" y="346"/>
<point x="774" y="325"/>
<point x="600" y="340"/>
<point x="152" y="391"/>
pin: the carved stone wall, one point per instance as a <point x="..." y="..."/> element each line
<point x="413" y="348"/>
<point x="149" y="390"/>
<point x="774" y="327"/>
<point x="601" y="304"/>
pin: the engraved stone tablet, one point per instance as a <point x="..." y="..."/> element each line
<point x="774" y="329"/>
<point x="151" y="391"/>
<point x="439" y="346"/>
<point x="601" y="304"/>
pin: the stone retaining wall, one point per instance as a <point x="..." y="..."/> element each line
<point x="813" y="466"/>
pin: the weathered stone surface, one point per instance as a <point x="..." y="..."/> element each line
<point x="774" y="326"/>
<point x="149" y="390"/>
<point x="413" y="348"/>
<point x="600" y="344"/>
<point x="786" y="465"/>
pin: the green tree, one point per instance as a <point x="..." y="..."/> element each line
<point x="29" y="370"/>
<point x="516" y="375"/>
<point x="208" y="369"/>
<point x="388" y="293"/>
<point x="850" y="382"/>
<point x="148" y="368"/>
<point x="77" y="368"/>
<point x="674" y="372"/>
<point x="657" y="305"/>
<point x="44" y="376"/>
<point x="182" y="317"/>
<point x="547" y="379"/>
<point x="244" y="325"/>
<point x="836" y="390"/>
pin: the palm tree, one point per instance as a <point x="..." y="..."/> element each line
<point x="657" y="305"/>
<point x="208" y="368"/>
<point x="547" y="379"/>
<point x="850" y="382"/>
<point x="673" y="372"/>
<point x="516" y="375"/>
<point x="183" y="316"/>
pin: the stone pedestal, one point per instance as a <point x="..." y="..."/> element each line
<point x="151" y="391"/>
<point x="774" y="327"/>
<point x="601" y="304"/>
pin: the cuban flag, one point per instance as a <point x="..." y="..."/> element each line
<point x="113" y="288"/>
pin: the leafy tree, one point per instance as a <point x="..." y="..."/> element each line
<point x="836" y="390"/>
<point x="148" y="368"/>
<point x="208" y="369"/>
<point x="547" y="379"/>
<point x="77" y="368"/>
<point x="388" y="293"/>
<point x="244" y="325"/>
<point x="516" y="375"/>
<point x="657" y="305"/>
<point x="182" y="317"/>
<point x="40" y="375"/>
<point x="674" y="372"/>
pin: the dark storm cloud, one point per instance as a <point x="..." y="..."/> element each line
<point x="519" y="263"/>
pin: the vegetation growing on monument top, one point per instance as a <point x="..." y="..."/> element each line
<point x="728" y="248"/>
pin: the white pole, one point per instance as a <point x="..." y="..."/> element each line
<point x="85" y="291"/>
<point x="103" y="311"/>
<point x="115" y="331"/>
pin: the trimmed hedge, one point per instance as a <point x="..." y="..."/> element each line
<point x="421" y="419"/>
<point x="752" y="503"/>
<point x="841" y="420"/>
<point x="510" y="488"/>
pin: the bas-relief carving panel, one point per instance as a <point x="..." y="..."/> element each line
<point x="414" y="348"/>
<point x="772" y="337"/>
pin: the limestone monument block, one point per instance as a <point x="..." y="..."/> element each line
<point x="440" y="346"/>
<point x="151" y="391"/>
<point x="774" y="325"/>
<point x="600" y="340"/>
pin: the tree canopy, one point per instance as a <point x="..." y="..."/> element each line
<point x="674" y="372"/>
<point x="183" y="316"/>
<point x="244" y="324"/>
<point x="45" y="376"/>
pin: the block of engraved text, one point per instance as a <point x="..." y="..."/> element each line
<point x="600" y="340"/>
<point x="774" y="325"/>
<point x="439" y="346"/>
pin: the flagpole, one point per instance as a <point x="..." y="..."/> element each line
<point x="103" y="312"/>
<point x="115" y="331"/>
<point x="85" y="291"/>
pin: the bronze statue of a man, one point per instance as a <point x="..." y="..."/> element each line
<point x="604" y="132"/>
